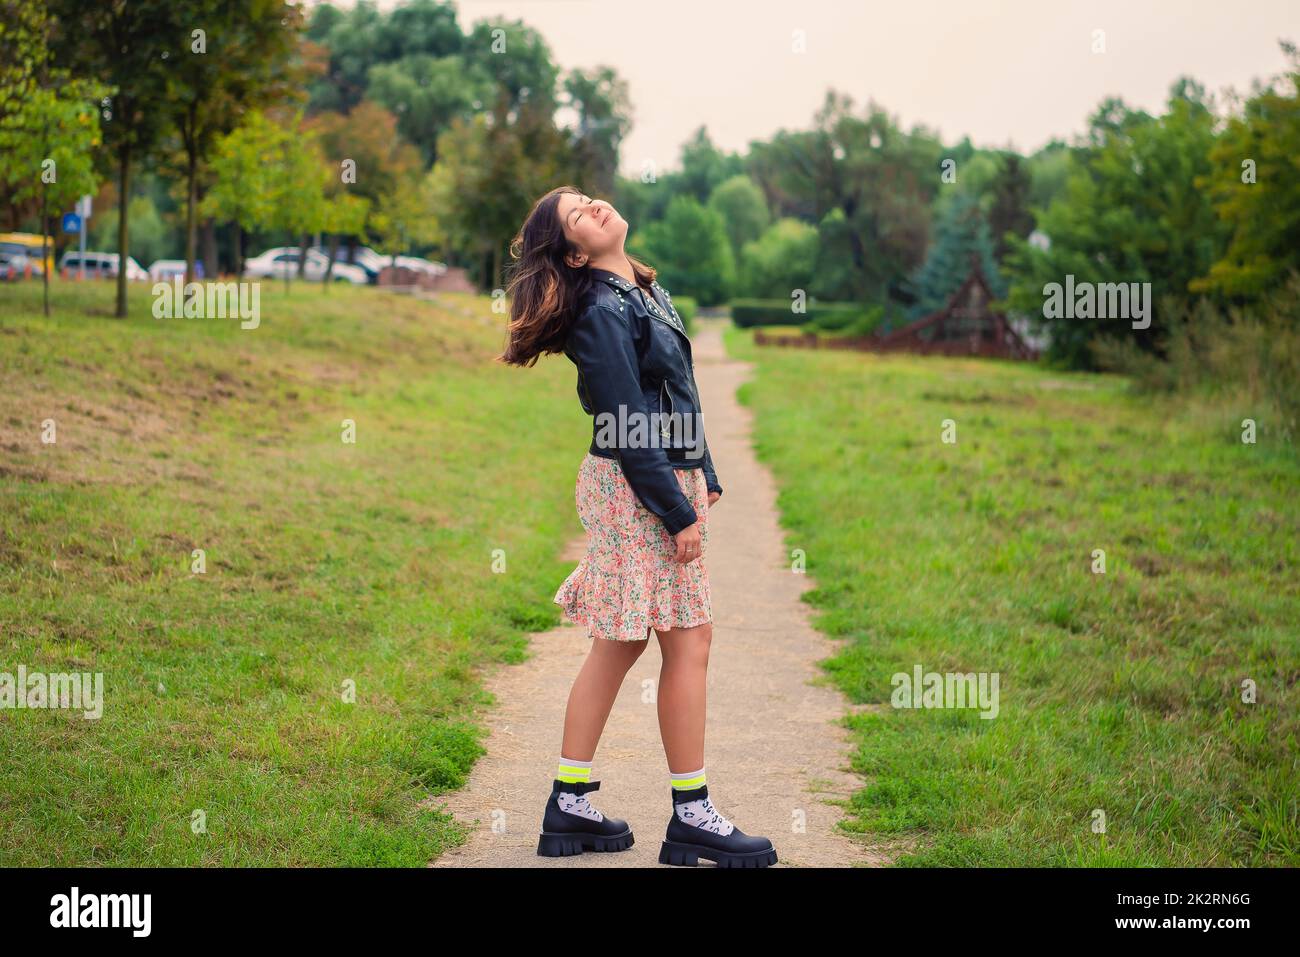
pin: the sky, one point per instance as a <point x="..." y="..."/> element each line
<point x="1003" y="72"/>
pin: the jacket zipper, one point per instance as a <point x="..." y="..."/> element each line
<point x="665" y="426"/>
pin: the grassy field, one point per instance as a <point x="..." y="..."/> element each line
<point x="327" y="563"/>
<point x="1120" y="693"/>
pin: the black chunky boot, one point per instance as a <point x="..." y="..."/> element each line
<point x="685" y="843"/>
<point x="564" y="833"/>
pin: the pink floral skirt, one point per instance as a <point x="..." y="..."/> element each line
<point x="627" y="583"/>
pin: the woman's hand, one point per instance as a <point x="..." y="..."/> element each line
<point x="689" y="545"/>
<point x="713" y="497"/>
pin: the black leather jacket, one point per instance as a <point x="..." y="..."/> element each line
<point x="636" y="378"/>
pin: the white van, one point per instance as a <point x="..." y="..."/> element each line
<point x="99" y="266"/>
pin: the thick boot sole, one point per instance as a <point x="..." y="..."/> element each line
<point x="563" y="845"/>
<point x="688" y="855"/>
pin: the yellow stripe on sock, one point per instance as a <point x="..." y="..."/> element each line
<point x="572" y="774"/>
<point x="686" y="784"/>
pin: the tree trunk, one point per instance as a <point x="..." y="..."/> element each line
<point x="239" y="252"/>
<point x="123" y="220"/>
<point x="211" y="264"/>
<point x="191" y="200"/>
<point x="302" y="257"/>
<point x="45" y="232"/>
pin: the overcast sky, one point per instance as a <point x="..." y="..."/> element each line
<point x="1016" y="72"/>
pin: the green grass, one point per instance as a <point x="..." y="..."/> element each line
<point x="326" y="563"/>
<point x="1119" y="692"/>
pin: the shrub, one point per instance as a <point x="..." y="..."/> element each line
<point x="1249" y="356"/>
<point x="823" y="316"/>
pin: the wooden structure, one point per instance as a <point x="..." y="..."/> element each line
<point x="965" y="326"/>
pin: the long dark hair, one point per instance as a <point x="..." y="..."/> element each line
<point x="543" y="289"/>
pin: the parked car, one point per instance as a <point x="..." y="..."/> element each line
<point x="283" y="260"/>
<point x="163" y="270"/>
<point x="365" y="258"/>
<point x="14" y="266"/>
<point x="419" y="264"/>
<point x="99" y="266"/>
<point x="31" y="244"/>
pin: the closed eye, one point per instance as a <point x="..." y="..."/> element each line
<point x="579" y="216"/>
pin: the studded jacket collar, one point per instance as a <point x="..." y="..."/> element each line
<point x="632" y="353"/>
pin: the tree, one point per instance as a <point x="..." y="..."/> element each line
<point x="783" y="259"/>
<point x="344" y="215"/>
<point x="244" y="187"/>
<point x="1009" y="212"/>
<point x="426" y="93"/>
<point x="488" y="176"/>
<point x="236" y="59"/>
<point x="880" y="180"/>
<point x="743" y="209"/>
<point x="49" y="126"/>
<point x="704" y="167"/>
<point x="1130" y="211"/>
<point x="405" y="216"/>
<point x="690" y="250"/>
<point x="1252" y="178"/>
<point x="602" y="105"/>
<point x="961" y="240"/>
<point x="131" y="45"/>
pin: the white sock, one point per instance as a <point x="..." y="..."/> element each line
<point x="703" y="814"/>
<point x="578" y="804"/>
<point x="569" y="802"/>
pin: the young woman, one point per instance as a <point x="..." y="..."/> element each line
<point x="644" y="490"/>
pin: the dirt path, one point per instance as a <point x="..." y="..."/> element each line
<point x="774" y="758"/>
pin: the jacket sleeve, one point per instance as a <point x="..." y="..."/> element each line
<point x="601" y="344"/>
<point x="710" y="477"/>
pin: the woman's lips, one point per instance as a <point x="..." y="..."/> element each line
<point x="606" y="219"/>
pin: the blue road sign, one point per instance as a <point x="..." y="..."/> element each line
<point x="71" y="223"/>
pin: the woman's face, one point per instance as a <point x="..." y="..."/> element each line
<point x="593" y="225"/>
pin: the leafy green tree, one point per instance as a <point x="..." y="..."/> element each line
<point x="270" y="176"/>
<point x="405" y="216"/>
<point x="743" y="209"/>
<point x="345" y="214"/>
<point x="782" y="259"/>
<point x="486" y="179"/>
<point x="880" y="178"/>
<point x="602" y="105"/>
<point x="426" y="93"/>
<point x="1130" y="212"/>
<point x="961" y="240"/>
<point x="130" y="45"/>
<point x="704" y="167"/>
<point x="1009" y="211"/>
<point x="237" y="59"/>
<point x="1255" y="184"/>
<point x="367" y="140"/>
<point x="49" y="126"/>
<point x="690" y="249"/>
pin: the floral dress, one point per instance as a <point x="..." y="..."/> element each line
<point x="628" y="583"/>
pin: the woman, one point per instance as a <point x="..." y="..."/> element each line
<point x="643" y="494"/>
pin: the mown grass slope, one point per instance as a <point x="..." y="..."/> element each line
<point x="329" y="565"/>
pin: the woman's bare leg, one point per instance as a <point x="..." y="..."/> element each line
<point x="682" y="693"/>
<point x="593" y="693"/>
